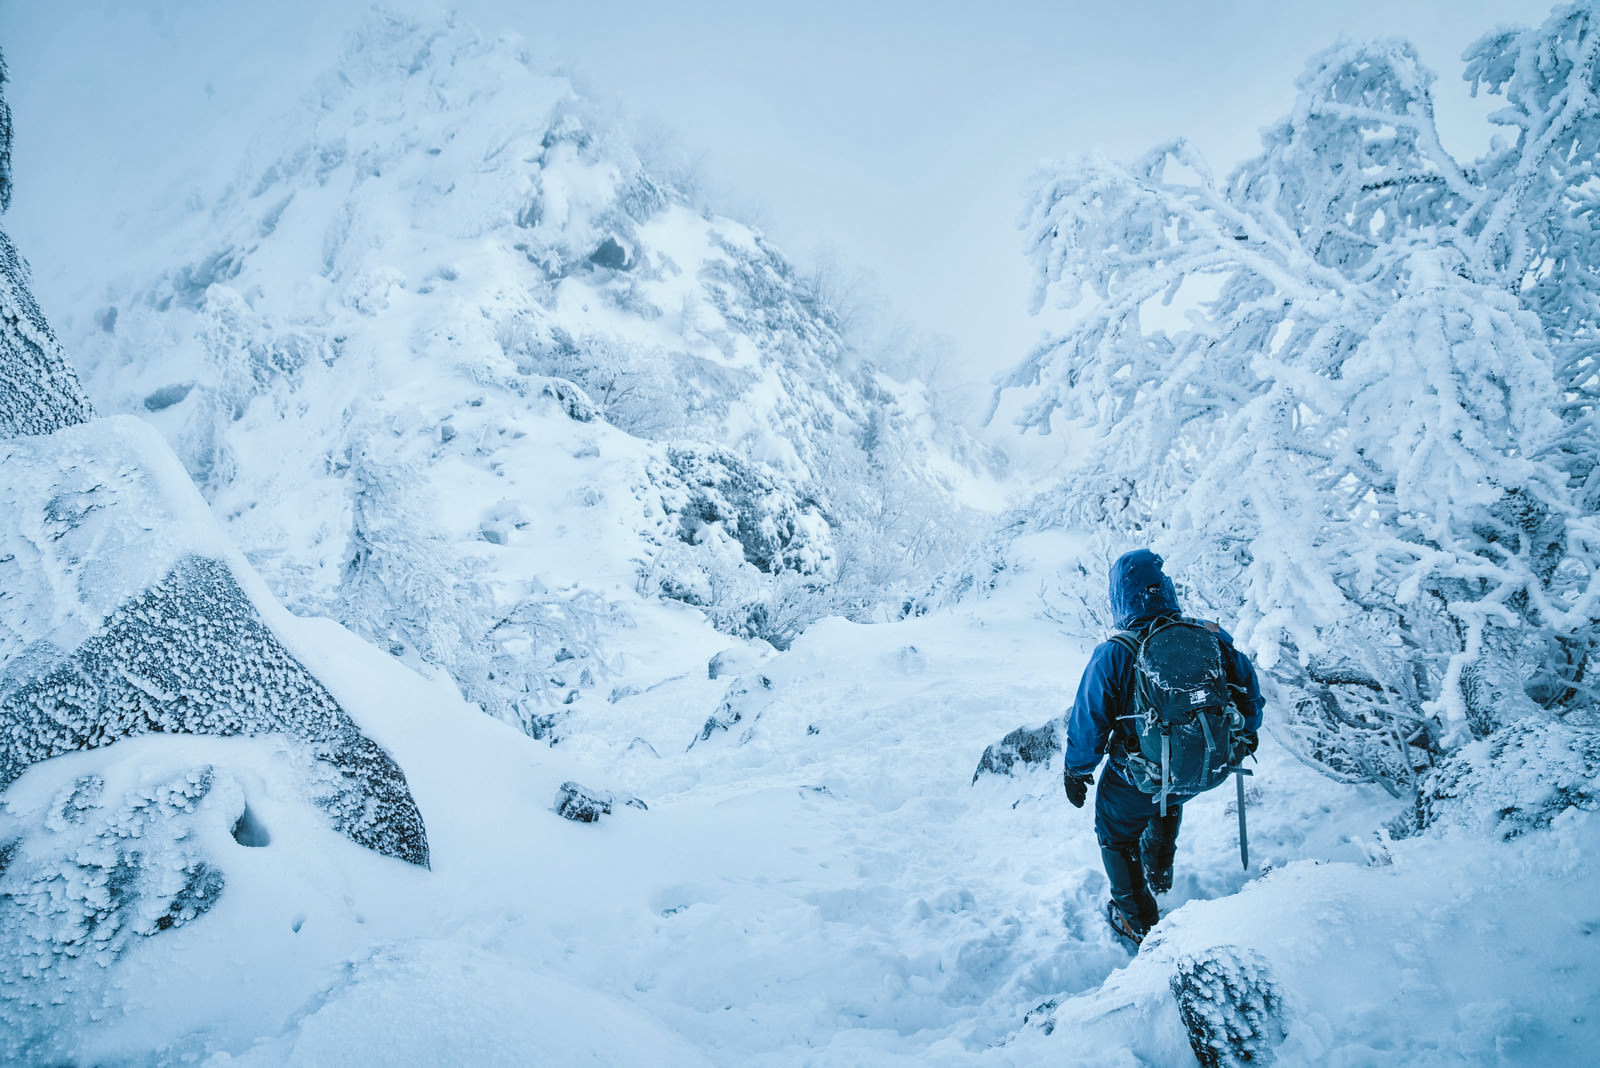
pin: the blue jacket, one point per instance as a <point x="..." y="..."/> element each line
<point x="1140" y="593"/>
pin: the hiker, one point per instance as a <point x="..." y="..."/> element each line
<point x="1137" y="807"/>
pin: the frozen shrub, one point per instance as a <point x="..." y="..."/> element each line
<point x="1349" y="391"/>
<point x="746" y="545"/>
<point x="776" y="527"/>
<point x="1516" y="781"/>
<point x="1230" y="1007"/>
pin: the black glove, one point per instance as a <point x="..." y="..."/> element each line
<point x="1247" y="744"/>
<point x="1077" y="787"/>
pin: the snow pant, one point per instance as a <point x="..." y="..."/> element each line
<point x="1134" y="837"/>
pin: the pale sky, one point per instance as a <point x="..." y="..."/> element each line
<point x="894" y="138"/>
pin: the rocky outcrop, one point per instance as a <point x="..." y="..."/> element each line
<point x="39" y="390"/>
<point x="1230" y="1006"/>
<point x="1024" y="746"/>
<point x="122" y="615"/>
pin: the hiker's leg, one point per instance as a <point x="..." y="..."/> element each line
<point x="1158" y="845"/>
<point x="1120" y="815"/>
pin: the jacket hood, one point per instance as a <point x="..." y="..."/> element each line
<point x="1140" y="590"/>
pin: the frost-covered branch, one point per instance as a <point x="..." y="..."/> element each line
<point x="1339" y="403"/>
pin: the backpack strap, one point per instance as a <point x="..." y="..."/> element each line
<point x="1117" y="749"/>
<point x="1127" y="639"/>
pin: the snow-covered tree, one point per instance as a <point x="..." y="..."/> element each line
<point x="1349" y="392"/>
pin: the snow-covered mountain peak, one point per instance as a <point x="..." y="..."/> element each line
<point x="456" y="370"/>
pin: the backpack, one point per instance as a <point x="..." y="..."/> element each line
<point x="1185" y="730"/>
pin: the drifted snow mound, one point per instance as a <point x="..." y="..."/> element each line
<point x="433" y="1002"/>
<point x="39" y="391"/>
<point x="1340" y="963"/>
<point x="121" y="615"/>
<point x="455" y="369"/>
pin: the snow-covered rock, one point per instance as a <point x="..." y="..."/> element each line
<point x="1230" y="1007"/>
<point x="581" y="804"/>
<point x="39" y="391"/>
<point x="124" y="614"/>
<point x="1024" y="746"/>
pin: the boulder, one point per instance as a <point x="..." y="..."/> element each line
<point x="1025" y="746"/>
<point x="123" y="613"/>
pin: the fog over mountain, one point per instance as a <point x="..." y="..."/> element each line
<point x="466" y="597"/>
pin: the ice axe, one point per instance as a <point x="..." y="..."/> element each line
<point x="1240" y="771"/>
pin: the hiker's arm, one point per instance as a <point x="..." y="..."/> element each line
<point x="1095" y="708"/>
<point x="1242" y="682"/>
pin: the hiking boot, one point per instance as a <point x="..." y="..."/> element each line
<point x="1159" y="881"/>
<point x="1124" y="928"/>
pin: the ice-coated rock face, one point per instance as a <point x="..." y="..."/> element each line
<point x="1230" y="1006"/>
<point x="135" y="869"/>
<point x="122" y="614"/>
<point x="93" y="863"/>
<point x="39" y="391"/>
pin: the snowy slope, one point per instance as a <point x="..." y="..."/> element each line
<point x="501" y="417"/>
<point x="455" y="370"/>
<point x="823" y="883"/>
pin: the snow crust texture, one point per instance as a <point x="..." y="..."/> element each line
<point x="1230" y="1007"/>
<point x="39" y="390"/>
<point x="92" y="652"/>
<point x="132" y="869"/>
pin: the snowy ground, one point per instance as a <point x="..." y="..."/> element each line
<point x="822" y="883"/>
<point x="799" y="867"/>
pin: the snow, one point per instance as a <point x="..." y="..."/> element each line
<point x="420" y="406"/>
<point x="126" y="613"/>
<point x="40" y="390"/>
<point x="386" y="360"/>
<point x="93" y="516"/>
<point x="823" y="883"/>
